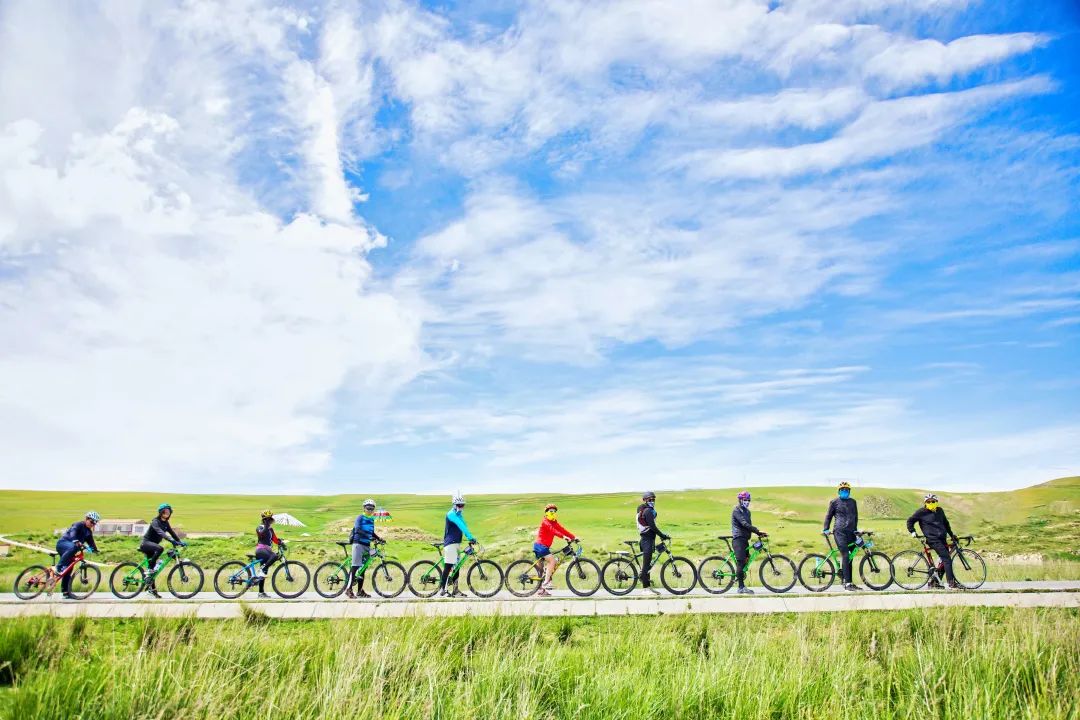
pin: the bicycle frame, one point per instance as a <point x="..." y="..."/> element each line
<point x="455" y="571"/>
<point x="56" y="577"/>
<point x="755" y="549"/>
<point x="834" y="550"/>
<point x="954" y="552"/>
<point x="375" y="553"/>
<point x="565" y="552"/>
<point x="250" y="568"/>
<point x="150" y="578"/>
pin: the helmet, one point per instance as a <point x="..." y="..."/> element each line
<point x="369" y="503"/>
<point x="648" y="495"/>
<point x="458" y="499"/>
<point x="267" y="514"/>
<point x="551" y="507"/>
<point x="163" y="507"/>
<point x="744" y="495"/>
<point x="930" y="497"/>
<point x="93" y="516"/>
<point x="844" y="485"/>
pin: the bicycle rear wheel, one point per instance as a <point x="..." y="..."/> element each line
<point x="126" y="581"/>
<point x="84" y="581"/>
<point x="31" y="582"/>
<point x="388" y="578"/>
<point x="910" y="569"/>
<point x="619" y="576"/>
<point x="485" y="578"/>
<point x="583" y="577"/>
<point x="331" y="578"/>
<point x="817" y="573"/>
<point x="231" y="580"/>
<point x="715" y="574"/>
<point x="425" y="578"/>
<point x="778" y="573"/>
<point x="185" y="580"/>
<point x="678" y="575"/>
<point x="876" y="570"/>
<point x="522" y="578"/>
<point x="969" y="569"/>
<point x="291" y="579"/>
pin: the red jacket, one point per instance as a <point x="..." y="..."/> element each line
<point x="549" y="529"/>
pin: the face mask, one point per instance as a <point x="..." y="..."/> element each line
<point x="369" y="513"/>
<point x="549" y="515"/>
<point x="931" y="506"/>
<point x="650" y="503"/>
<point x="745" y="504"/>
<point x="845" y="494"/>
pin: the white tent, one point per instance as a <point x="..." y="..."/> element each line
<point x="287" y="519"/>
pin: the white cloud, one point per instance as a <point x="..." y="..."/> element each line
<point x="904" y="65"/>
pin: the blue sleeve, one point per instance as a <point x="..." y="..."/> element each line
<point x="460" y="522"/>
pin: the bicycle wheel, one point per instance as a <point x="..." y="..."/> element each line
<point x="910" y="569"/>
<point x="876" y="571"/>
<point x="290" y="579"/>
<point x="331" y="578"/>
<point x="817" y="573"/>
<point x="523" y="578"/>
<point x="485" y="578"/>
<point x="583" y="577"/>
<point x="425" y="578"/>
<point x="185" y="580"/>
<point x="778" y="573"/>
<point x="388" y="578"/>
<point x="231" y="580"/>
<point x="678" y="575"/>
<point x="716" y="574"/>
<point x="969" y="569"/>
<point x="31" y="582"/>
<point x="84" y="581"/>
<point x="126" y="580"/>
<point x="619" y="576"/>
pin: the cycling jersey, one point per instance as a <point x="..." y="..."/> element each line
<point x="159" y="528"/>
<point x="266" y="536"/>
<point x="934" y="524"/>
<point x="78" y="532"/>
<point x="740" y="522"/>
<point x="549" y="530"/>
<point x="845" y="512"/>
<point x="363" y="530"/>
<point x="455" y="527"/>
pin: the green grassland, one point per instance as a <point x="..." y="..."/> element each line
<point x="1043" y="520"/>
<point x="957" y="663"/>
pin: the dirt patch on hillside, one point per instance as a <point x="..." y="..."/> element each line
<point x="878" y="506"/>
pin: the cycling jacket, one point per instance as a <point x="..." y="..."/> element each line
<point x="549" y="530"/>
<point x="845" y="513"/>
<point x="455" y="527"/>
<point x="646" y="522"/>
<point x="266" y="536"/>
<point x="158" y="529"/>
<point x="363" y="531"/>
<point x="934" y="524"/>
<point x="740" y="522"/>
<point x="78" y="532"/>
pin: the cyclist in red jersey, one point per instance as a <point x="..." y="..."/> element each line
<point x="549" y="530"/>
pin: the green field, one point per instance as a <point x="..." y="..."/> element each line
<point x="957" y="663"/>
<point x="1042" y="520"/>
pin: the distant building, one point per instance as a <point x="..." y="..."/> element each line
<point x="121" y="527"/>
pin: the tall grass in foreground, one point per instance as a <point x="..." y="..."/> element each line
<point x="958" y="663"/>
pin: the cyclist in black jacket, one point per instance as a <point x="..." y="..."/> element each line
<point x="844" y="515"/>
<point x="646" y="524"/>
<point x="151" y="547"/>
<point x="935" y="526"/>
<point x="741" y="528"/>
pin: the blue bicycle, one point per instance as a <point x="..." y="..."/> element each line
<point x="289" y="578"/>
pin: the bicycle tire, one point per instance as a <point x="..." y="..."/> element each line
<point x="817" y="572"/>
<point x="425" y="578"/>
<point x="523" y="579"/>
<point x="876" y="570"/>
<point x="911" y="569"/>
<point x="389" y="578"/>
<point x="619" y="576"/>
<point x="231" y="580"/>
<point x="331" y="578"/>
<point x="185" y="580"/>
<point x="778" y="573"/>
<point x="974" y="578"/>
<point x="716" y="574"/>
<point x="485" y="578"/>
<point x="583" y="577"/>
<point x="678" y="575"/>
<point x="123" y="584"/>
<point x="290" y="579"/>
<point x="31" y="582"/>
<point x="88" y="578"/>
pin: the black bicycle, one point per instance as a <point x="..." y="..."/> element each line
<point x="913" y="569"/>
<point x="620" y="574"/>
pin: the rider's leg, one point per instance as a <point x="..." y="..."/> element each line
<point x="152" y="551"/>
<point x="942" y="550"/>
<point x="843" y="543"/>
<point x="266" y="556"/>
<point x="450" y="558"/>
<point x="648" y="542"/>
<point x="549" y="568"/>
<point x="362" y="557"/>
<point x="741" y="546"/>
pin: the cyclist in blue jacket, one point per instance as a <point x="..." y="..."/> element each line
<point x="362" y="534"/>
<point x="80" y="534"/>
<point x="453" y="531"/>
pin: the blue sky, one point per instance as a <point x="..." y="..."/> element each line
<point x="388" y="246"/>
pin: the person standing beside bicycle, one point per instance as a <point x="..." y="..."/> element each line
<point x="741" y="529"/>
<point x="362" y="534"/>
<point x="80" y="534"/>
<point x="646" y="524"/>
<point x="550" y="528"/>
<point x="151" y="547"/>
<point x="454" y="530"/>
<point x="266" y="538"/>
<point x="935" y="527"/>
<point x="843" y="514"/>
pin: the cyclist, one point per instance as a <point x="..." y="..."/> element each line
<point x="741" y="529"/>
<point x="264" y="549"/>
<point x="935" y="526"/>
<point x="843" y="514"/>
<point x="647" y="529"/>
<point x="549" y="530"/>
<point x="159" y="530"/>
<point x="453" y="531"/>
<point x="362" y="534"/>
<point x="80" y="534"/>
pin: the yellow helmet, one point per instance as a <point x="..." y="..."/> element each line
<point x="267" y="514"/>
<point x="844" y="485"/>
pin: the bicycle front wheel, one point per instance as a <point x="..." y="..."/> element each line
<point x="777" y="573"/>
<point x="523" y="578"/>
<point x="185" y="580"/>
<point x="31" y="582"/>
<point x="84" y="581"/>
<point x="291" y="579"/>
<point x="678" y="575"/>
<point x="583" y="577"/>
<point x="389" y="578"/>
<point x="817" y="573"/>
<point x="969" y="569"/>
<point x="425" y="578"/>
<point x="876" y="570"/>
<point x="716" y="574"/>
<point x="485" y="578"/>
<point x="619" y="576"/>
<point x="330" y="579"/>
<point x="910" y="569"/>
<point x="126" y="581"/>
<point x="231" y="580"/>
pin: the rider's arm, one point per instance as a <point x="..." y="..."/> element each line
<point x="829" y="515"/>
<point x="650" y="516"/>
<point x="169" y="529"/>
<point x="915" y="517"/>
<point x="560" y="530"/>
<point x="90" y="539"/>
<point x="855" y="505"/>
<point x="458" y="520"/>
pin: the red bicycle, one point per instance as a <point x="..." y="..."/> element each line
<point x="38" y="579"/>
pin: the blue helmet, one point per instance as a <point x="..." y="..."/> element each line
<point x="163" y="507"/>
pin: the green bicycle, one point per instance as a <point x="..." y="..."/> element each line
<point x="818" y="572"/>
<point x="485" y="578"/>
<point x="388" y="577"/>
<point x="717" y="573"/>
<point x="524" y="577"/>
<point x="184" y="580"/>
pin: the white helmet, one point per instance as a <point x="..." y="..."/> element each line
<point x="93" y="516"/>
<point x="458" y="499"/>
<point x="369" y="503"/>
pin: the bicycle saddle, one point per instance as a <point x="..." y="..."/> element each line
<point x="251" y="556"/>
<point x="343" y="544"/>
<point x="437" y="545"/>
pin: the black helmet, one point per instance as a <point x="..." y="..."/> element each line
<point x="648" y="495"/>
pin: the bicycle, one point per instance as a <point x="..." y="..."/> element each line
<point x="524" y="577"/>
<point x="818" y="572"/>
<point x="913" y="569"/>
<point x="620" y="574"/>
<point x="485" y="578"/>
<point x="37" y="579"/>
<point x="184" y="581"/>
<point x="388" y="577"/>
<point x="717" y="572"/>
<point x="289" y="580"/>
